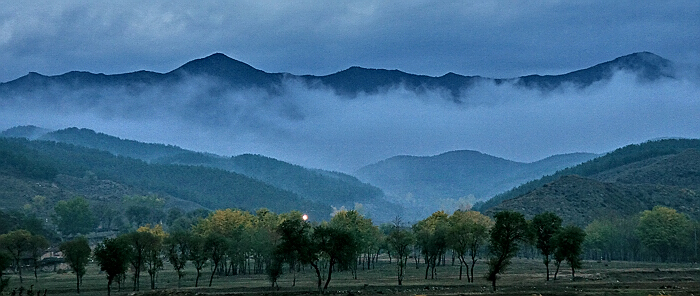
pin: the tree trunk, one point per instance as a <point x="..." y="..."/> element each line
<point x="330" y="271"/>
<point x="77" y="282"/>
<point x="493" y="284"/>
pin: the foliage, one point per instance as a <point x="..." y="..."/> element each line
<point x="400" y="241"/>
<point x="431" y="237"/>
<point x="153" y="249"/>
<point x="113" y="256"/>
<point x="569" y="242"/>
<point x="76" y="253"/>
<point x="138" y="243"/>
<point x="509" y="229"/>
<point x="74" y="216"/>
<point x="16" y="243"/>
<point x="664" y="231"/>
<point x="5" y="262"/>
<point x="545" y="226"/>
<point x="337" y="245"/>
<point x="37" y="245"/>
<point x="177" y="248"/>
<point x="468" y="232"/>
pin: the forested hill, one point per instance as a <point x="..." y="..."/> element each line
<point x="328" y="188"/>
<point x="63" y="167"/>
<point x="628" y="180"/>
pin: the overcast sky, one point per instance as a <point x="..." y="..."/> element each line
<point x="489" y="38"/>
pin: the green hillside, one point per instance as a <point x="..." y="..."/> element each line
<point x="619" y="158"/>
<point x="328" y="188"/>
<point x="209" y="187"/>
<point x="624" y="182"/>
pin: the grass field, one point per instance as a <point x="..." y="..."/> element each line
<point x="526" y="277"/>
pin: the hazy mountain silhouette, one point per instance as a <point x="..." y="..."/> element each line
<point x="350" y="82"/>
<point x="430" y="182"/>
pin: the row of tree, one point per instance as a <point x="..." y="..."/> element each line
<point x="234" y="242"/>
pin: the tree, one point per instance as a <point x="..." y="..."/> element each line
<point x="74" y="216"/>
<point x="431" y="236"/>
<point x="215" y="245"/>
<point x="337" y="245"/>
<point x="153" y="250"/>
<point x="198" y="255"/>
<point x="16" y="243"/>
<point x="138" y="246"/>
<point x="177" y="248"/>
<point x="76" y="253"/>
<point x="569" y="242"/>
<point x="296" y="246"/>
<point x="508" y="231"/>
<point x="112" y="255"/>
<point x="400" y="241"/>
<point x="664" y="231"/>
<point x="360" y="228"/>
<point x="545" y="226"/>
<point x="468" y="232"/>
<point x="37" y="246"/>
<point x="5" y="262"/>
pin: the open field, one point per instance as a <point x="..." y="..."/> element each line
<point x="526" y="277"/>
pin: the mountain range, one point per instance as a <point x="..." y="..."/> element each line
<point x="231" y="73"/>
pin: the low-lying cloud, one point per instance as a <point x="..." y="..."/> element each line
<point x="317" y="128"/>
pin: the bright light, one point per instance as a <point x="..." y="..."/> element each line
<point x="305" y="217"/>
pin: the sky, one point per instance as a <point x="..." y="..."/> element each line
<point x="487" y="38"/>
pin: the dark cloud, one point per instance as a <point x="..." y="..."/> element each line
<point x="490" y="38"/>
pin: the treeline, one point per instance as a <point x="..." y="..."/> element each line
<point x="231" y="242"/>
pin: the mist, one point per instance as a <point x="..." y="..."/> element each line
<point x="316" y="128"/>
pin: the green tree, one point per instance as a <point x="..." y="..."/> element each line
<point x="138" y="248"/>
<point x="361" y="229"/>
<point x="544" y="227"/>
<point x="337" y="245"/>
<point x="37" y="245"/>
<point x="177" y="248"/>
<point x="296" y="246"/>
<point x="16" y="243"/>
<point x="74" y="216"/>
<point x="664" y="231"/>
<point x="431" y="237"/>
<point x="509" y="230"/>
<point x="153" y="251"/>
<point x="215" y="245"/>
<point x="197" y="255"/>
<point x="5" y="262"/>
<point x="400" y="241"/>
<point x="77" y="254"/>
<point x="112" y="255"/>
<point x="569" y="246"/>
<point x="468" y="232"/>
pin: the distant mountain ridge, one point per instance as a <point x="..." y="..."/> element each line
<point x="428" y="183"/>
<point x="350" y="82"/>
